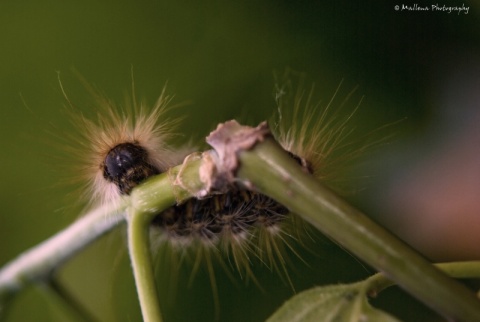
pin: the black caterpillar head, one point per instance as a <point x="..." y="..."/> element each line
<point x="127" y="165"/>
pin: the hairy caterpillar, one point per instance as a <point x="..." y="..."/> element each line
<point x="121" y="147"/>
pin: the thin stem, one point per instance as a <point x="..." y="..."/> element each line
<point x="271" y="171"/>
<point x="471" y="269"/>
<point x="65" y="301"/>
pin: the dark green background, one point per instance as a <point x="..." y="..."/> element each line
<point x="220" y="55"/>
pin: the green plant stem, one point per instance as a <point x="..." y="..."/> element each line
<point x="271" y="171"/>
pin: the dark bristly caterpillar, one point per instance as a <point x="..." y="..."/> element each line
<point x="229" y="220"/>
<point x="229" y="215"/>
<point x="123" y="147"/>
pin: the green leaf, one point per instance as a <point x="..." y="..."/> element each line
<point x="331" y="303"/>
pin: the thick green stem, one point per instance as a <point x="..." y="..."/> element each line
<point x="271" y="171"/>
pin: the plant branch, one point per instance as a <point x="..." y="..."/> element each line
<point x="147" y="200"/>
<point x="267" y="168"/>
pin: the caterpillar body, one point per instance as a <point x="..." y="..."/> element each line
<point x="123" y="147"/>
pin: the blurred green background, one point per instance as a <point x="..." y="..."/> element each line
<point x="422" y="67"/>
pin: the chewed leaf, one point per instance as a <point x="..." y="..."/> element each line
<point x="331" y="303"/>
